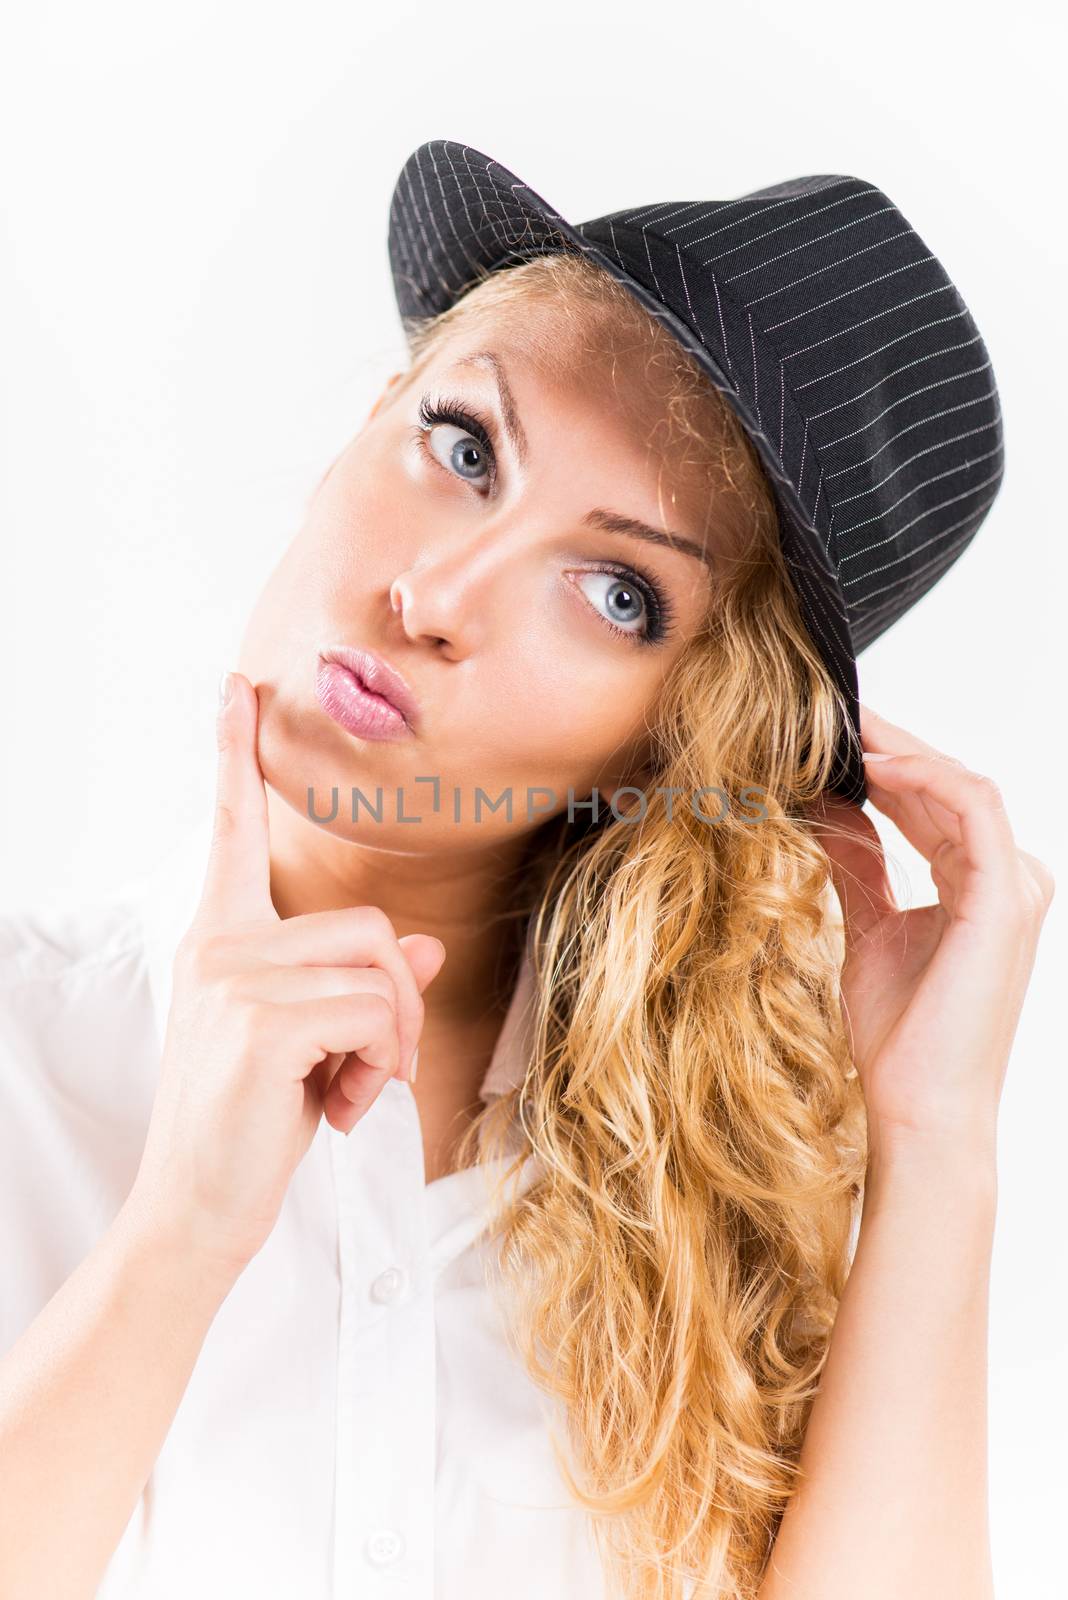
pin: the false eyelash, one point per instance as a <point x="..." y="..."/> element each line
<point x="660" y="609"/>
<point x="443" y="408"/>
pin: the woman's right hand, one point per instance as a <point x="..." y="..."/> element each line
<point x="273" y="1023"/>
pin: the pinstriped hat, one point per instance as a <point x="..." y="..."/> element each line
<point x="829" y="327"/>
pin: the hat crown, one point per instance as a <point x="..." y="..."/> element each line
<point x="827" y="324"/>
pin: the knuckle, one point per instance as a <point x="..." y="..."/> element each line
<point x="384" y="1009"/>
<point x="225" y="823"/>
<point x="258" y="1025"/>
<point x="1023" y="904"/>
<point x="198" y="955"/>
<point x="1041" y="882"/>
<point x="373" y="920"/>
<point x="237" y="988"/>
<point x="373" y="1011"/>
<point x="1019" y="908"/>
<point x="203" y="954"/>
<point x="990" y="790"/>
<point x="377" y="982"/>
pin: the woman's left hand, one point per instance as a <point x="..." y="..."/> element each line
<point x="932" y="995"/>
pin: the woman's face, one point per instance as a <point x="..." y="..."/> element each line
<point x="532" y="633"/>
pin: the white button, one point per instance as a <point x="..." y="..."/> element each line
<point x="388" y="1285"/>
<point x="384" y="1547"/>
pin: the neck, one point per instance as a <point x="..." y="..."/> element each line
<point x="466" y="899"/>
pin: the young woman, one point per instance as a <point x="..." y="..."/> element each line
<point x="667" y="1273"/>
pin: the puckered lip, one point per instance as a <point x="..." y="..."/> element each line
<point x="375" y="674"/>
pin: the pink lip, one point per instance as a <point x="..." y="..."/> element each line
<point x="359" y="691"/>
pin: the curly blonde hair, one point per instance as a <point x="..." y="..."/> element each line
<point x="673" y="1274"/>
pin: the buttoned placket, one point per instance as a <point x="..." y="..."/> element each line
<point x="386" y="1368"/>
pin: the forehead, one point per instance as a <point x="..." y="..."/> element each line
<point x="542" y="352"/>
<point x="563" y="342"/>
<point x="643" y="482"/>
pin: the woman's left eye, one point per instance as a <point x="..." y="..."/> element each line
<point x="632" y="608"/>
<point x="468" y="453"/>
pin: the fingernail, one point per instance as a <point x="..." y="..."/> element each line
<point x="226" y="684"/>
<point x="414" y="1066"/>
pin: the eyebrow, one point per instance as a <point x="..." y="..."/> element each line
<point x="606" y="521"/>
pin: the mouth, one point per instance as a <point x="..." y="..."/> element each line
<point x="363" y="694"/>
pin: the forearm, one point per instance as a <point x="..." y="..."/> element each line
<point x="87" y="1395"/>
<point x="893" y="1498"/>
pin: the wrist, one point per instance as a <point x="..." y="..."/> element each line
<point x="150" y="1231"/>
<point x="959" y="1165"/>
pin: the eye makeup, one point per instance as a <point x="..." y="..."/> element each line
<point x="454" y="412"/>
<point x="660" y="610"/>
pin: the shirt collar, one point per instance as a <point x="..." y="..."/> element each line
<point x="167" y="897"/>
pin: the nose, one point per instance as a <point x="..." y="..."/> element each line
<point x="404" y="604"/>
<point x="448" y="600"/>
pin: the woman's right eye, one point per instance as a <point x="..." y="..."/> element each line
<point x="466" y="446"/>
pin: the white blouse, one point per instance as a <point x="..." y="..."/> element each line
<point x="356" y="1423"/>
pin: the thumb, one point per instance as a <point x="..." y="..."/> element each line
<point x="857" y="862"/>
<point x="425" y="956"/>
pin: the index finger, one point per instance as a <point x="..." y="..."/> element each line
<point x="237" y="883"/>
<point x="888" y="738"/>
<point x="885" y="738"/>
<point x="979" y="821"/>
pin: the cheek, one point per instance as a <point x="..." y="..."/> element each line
<point x="269" y="627"/>
<point x="284" y="623"/>
<point x="564" y="711"/>
<point x="328" y="563"/>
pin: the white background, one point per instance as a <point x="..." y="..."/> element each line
<point x="197" y="312"/>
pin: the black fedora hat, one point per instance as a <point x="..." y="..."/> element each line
<point x="826" y="323"/>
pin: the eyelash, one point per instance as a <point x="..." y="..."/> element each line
<point x="659" y="608"/>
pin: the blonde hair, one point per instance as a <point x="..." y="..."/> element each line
<point x="673" y="1274"/>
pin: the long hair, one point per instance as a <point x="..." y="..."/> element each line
<point x="673" y="1274"/>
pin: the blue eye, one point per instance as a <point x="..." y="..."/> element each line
<point x="631" y="600"/>
<point x="471" y="455"/>
<point x="625" y="600"/>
